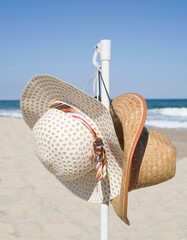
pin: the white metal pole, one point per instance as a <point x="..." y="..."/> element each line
<point x="105" y="53"/>
<point x="105" y="64"/>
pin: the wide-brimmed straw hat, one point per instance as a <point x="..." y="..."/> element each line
<point x="149" y="156"/>
<point x="65" y="122"/>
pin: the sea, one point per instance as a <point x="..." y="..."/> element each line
<point x="162" y="113"/>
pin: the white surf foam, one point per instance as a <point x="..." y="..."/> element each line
<point x="178" y="112"/>
<point x="167" y="118"/>
<point x="16" y="113"/>
<point x="166" y="124"/>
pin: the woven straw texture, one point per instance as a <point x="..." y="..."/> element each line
<point x="63" y="145"/>
<point x="158" y="161"/>
<point x="156" y="152"/>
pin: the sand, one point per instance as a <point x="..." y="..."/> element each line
<point x="34" y="205"/>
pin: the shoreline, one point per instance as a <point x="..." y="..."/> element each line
<point x="177" y="136"/>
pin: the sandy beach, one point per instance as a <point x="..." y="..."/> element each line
<point x="34" y="205"/>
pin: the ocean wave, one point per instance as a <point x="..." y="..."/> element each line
<point x="178" y="112"/>
<point x="167" y="117"/>
<point x="16" y="113"/>
<point x="166" y="124"/>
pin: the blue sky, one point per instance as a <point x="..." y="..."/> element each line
<point x="149" y="44"/>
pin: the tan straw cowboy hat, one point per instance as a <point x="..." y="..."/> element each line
<point x="97" y="156"/>
<point x="149" y="156"/>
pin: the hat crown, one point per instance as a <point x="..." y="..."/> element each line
<point x="63" y="145"/>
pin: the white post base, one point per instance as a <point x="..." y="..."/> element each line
<point x="104" y="221"/>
